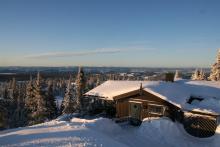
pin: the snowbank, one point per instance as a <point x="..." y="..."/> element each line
<point x="173" y="134"/>
<point x="102" y="132"/>
<point x="105" y="125"/>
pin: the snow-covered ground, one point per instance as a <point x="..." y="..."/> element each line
<point x="102" y="132"/>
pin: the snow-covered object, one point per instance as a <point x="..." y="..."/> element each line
<point x="198" y="75"/>
<point x="102" y="132"/>
<point x="176" y="93"/>
<point x="177" y="75"/>
<point x="215" y="70"/>
<point x="112" y="88"/>
<point x="168" y="132"/>
<point x="195" y="75"/>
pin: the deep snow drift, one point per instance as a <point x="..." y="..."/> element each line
<point x="104" y="132"/>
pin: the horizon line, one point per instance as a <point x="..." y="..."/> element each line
<point x="67" y="66"/>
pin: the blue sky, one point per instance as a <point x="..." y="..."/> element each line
<point x="180" y="33"/>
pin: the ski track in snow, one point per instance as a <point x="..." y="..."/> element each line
<point x="104" y="132"/>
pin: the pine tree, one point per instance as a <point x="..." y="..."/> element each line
<point x="98" y="82"/>
<point x="13" y="103"/>
<point x="5" y="108"/>
<point x="195" y="75"/>
<point x="41" y="113"/>
<point x="215" y="70"/>
<point x="69" y="104"/>
<point x="30" y="101"/>
<point x="19" y="115"/>
<point x="5" y="92"/>
<point x="51" y="104"/>
<point x="202" y="75"/>
<point x="177" y="75"/>
<point x="3" y="114"/>
<point x="80" y="87"/>
<point x="14" y="91"/>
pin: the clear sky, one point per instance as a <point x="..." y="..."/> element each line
<point x="156" y="33"/>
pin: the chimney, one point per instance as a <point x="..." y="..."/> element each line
<point x="169" y="77"/>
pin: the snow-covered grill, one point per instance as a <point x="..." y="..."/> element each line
<point x="200" y="125"/>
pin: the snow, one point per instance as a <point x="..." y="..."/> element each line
<point x="110" y="89"/>
<point x="176" y="93"/>
<point x="174" y="134"/>
<point x="103" y="132"/>
<point x="180" y="91"/>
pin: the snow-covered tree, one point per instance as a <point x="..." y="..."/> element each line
<point x="80" y="87"/>
<point x="51" y="102"/>
<point x="4" y="121"/>
<point x="98" y="82"/>
<point x="177" y="75"/>
<point x="202" y="75"/>
<point x="13" y="101"/>
<point x="41" y="114"/>
<point x="5" y="92"/>
<point x="198" y="75"/>
<point x="14" y="90"/>
<point x="195" y="75"/>
<point x="69" y="104"/>
<point x="215" y="69"/>
<point x="19" y="115"/>
<point x="30" y="101"/>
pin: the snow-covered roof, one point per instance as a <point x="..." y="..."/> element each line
<point x="176" y="93"/>
<point x="110" y="89"/>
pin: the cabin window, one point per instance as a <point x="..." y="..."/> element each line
<point x="156" y="109"/>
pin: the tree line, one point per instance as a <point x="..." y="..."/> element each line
<point x="31" y="102"/>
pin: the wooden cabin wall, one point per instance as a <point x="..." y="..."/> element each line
<point x="94" y="105"/>
<point x="122" y="108"/>
<point x="122" y="105"/>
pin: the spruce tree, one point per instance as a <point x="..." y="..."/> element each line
<point x="19" y="115"/>
<point x="215" y="70"/>
<point x="30" y="101"/>
<point x="69" y="104"/>
<point x="6" y="108"/>
<point x="4" y="118"/>
<point x="195" y="75"/>
<point x="14" y="91"/>
<point x="41" y="114"/>
<point x="177" y="75"/>
<point x="98" y="82"/>
<point x="80" y="88"/>
<point x="5" y="92"/>
<point x="51" y="102"/>
<point x="202" y="75"/>
<point x="13" y="103"/>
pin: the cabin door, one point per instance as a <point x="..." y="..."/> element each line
<point x="135" y="110"/>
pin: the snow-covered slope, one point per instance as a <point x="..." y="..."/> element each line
<point x="104" y="132"/>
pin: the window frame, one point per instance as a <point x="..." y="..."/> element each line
<point x="156" y="106"/>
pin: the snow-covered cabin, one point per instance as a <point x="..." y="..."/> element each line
<point x="196" y="104"/>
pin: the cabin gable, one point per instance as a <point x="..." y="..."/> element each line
<point x="151" y="105"/>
